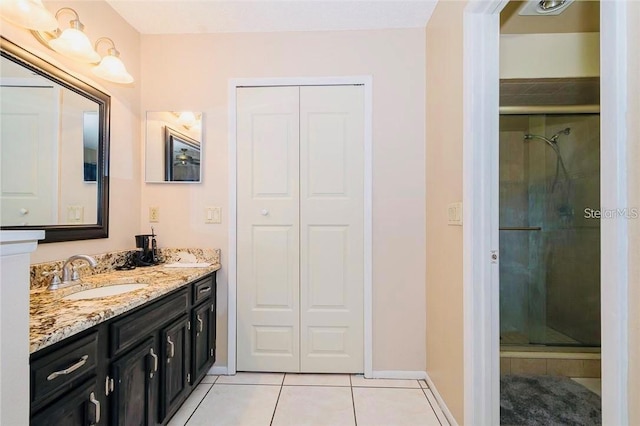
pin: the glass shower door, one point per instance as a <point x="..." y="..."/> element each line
<point x="550" y="259"/>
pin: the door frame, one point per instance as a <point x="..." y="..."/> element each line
<point x="480" y="198"/>
<point x="367" y="82"/>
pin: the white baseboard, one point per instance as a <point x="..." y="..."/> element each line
<point x="218" y="370"/>
<point x="441" y="403"/>
<point x="398" y="374"/>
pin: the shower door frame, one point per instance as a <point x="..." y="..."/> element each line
<point x="480" y="213"/>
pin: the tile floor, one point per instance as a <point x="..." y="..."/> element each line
<point x="254" y="399"/>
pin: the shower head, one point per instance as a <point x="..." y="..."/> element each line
<point x="564" y="131"/>
<point x="553" y="139"/>
<point x="553" y="143"/>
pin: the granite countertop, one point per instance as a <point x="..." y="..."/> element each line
<point x="53" y="319"/>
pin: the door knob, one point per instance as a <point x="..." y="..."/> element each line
<point x="264" y="212"/>
<point x="23" y="211"/>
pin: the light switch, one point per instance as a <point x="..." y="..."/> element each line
<point x="154" y="214"/>
<point x="75" y="214"/>
<point x="212" y="215"/>
<point x="454" y="214"/>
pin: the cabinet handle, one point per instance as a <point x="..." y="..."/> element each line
<point x="172" y="349"/>
<point x="108" y="386"/>
<point x="96" y="403"/>
<point x="155" y="363"/>
<point x="200" y="324"/>
<point x="82" y="361"/>
<point x="204" y="290"/>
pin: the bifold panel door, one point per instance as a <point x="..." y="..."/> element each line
<point x="300" y="229"/>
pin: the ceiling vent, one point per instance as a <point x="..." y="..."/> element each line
<point x="544" y="7"/>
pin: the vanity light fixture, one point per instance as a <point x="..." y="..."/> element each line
<point x="189" y="120"/>
<point x="111" y="67"/>
<point x="73" y="42"/>
<point x="30" y="14"/>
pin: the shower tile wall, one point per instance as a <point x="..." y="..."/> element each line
<point x="549" y="279"/>
<point x="550" y="91"/>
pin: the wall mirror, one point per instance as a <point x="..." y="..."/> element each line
<point x="173" y="150"/>
<point x="54" y="149"/>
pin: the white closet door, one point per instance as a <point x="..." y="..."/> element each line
<point x="331" y="229"/>
<point x="268" y="229"/>
<point x="300" y="229"/>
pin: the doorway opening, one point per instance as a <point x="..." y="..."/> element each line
<point x="549" y="184"/>
<point x="481" y="212"/>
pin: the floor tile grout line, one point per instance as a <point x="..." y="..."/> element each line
<point x="199" y="403"/>
<point x="250" y="384"/>
<point x="385" y="387"/>
<point x="273" y="416"/>
<point x="353" y="402"/>
<point x="432" y="408"/>
<point x="321" y="386"/>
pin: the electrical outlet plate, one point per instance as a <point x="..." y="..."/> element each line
<point x="154" y="214"/>
<point x="212" y="215"/>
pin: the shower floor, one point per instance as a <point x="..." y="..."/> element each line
<point x="553" y="337"/>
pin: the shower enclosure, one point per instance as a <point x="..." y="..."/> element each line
<point x="549" y="230"/>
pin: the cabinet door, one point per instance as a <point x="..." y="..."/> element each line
<point x="174" y="369"/>
<point x="80" y="407"/>
<point x="133" y="400"/>
<point x="204" y="337"/>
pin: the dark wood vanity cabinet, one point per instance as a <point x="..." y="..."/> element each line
<point x="133" y="399"/>
<point x="203" y="357"/>
<point x="175" y="369"/>
<point x="135" y="369"/>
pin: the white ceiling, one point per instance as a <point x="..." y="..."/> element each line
<point x="227" y="16"/>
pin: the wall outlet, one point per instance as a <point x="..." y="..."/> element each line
<point x="154" y="214"/>
<point x="212" y="215"/>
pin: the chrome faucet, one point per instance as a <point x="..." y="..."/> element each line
<point x="69" y="273"/>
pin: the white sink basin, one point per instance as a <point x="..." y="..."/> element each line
<point x="105" y="291"/>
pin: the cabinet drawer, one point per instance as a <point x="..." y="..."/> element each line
<point x="202" y="290"/>
<point x="56" y="370"/>
<point x="126" y="332"/>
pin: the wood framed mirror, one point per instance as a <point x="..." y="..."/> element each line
<point x="54" y="149"/>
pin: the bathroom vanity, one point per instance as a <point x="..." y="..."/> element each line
<point x="125" y="359"/>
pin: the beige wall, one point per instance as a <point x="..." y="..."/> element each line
<point x="549" y="55"/>
<point x="191" y="72"/>
<point x="444" y="185"/>
<point x="101" y="20"/>
<point x="634" y="201"/>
